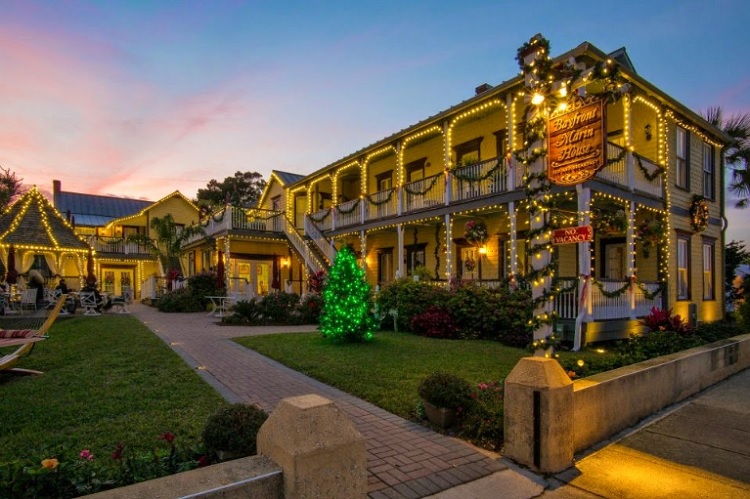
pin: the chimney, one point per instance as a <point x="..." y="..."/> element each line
<point x="56" y="187"/>
<point x="482" y="88"/>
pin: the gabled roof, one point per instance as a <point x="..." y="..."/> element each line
<point x="143" y="210"/>
<point x="33" y="223"/>
<point x="287" y="178"/>
<point x="621" y="56"/>
<point x="95" y="211"/>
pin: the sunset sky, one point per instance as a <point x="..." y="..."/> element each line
<point x="141" y="98"/>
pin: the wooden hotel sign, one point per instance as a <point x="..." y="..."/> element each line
<point x="572" y="235"/>
<point x="576" y="141"/>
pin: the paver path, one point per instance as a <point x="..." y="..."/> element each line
<point x="404" y="459"/>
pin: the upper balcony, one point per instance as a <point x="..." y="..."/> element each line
<point x="471" y="182"/>
<point x="119" y="245"/>
<point x="233" y="218"/>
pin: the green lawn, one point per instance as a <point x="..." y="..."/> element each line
<point x="388" y="370"/>
<point x="107" y="380"/>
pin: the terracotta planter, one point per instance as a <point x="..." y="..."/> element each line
<point x="439" y="416"/>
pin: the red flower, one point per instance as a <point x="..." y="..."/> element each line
<point x="117" y="454"/>
<point x="167" y="437"/>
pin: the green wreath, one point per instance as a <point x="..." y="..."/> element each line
<point x="699" y="213"/>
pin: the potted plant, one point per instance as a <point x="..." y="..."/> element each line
<point x="443" y="395"/>
<point x="231" y="431"/>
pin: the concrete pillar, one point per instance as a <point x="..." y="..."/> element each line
<point x="538" y="415"/>
<point x="318" y="447"/>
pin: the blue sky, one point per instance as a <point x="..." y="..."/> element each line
<point x="140" y="98"/>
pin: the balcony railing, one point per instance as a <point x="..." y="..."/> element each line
<point x="236" y="218"/>
<point x="424" y="193"/>
<point x="616" y="171"/>
<point x="118" y="245"/>
<point x="381" y="204"/>
<point x="607" y="307"/>
<point x="479" y="180"/>
<point x="645" y="170"/>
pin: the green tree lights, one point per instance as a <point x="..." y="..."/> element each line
<point x="346" y="301"/>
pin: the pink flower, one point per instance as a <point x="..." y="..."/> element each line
<point x="117" y="454"/>
<point x="86" y="454"/>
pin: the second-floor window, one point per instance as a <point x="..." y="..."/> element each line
<point x="708" y="269"/>
<point x="683" y="267"/>
<point x="681" y="159"/>
<point x="708" y="171"/>
<point x="384" y="180"/>
<point x="468" y="153"/>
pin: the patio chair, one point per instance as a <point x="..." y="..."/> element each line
<point x="28" y="299"/>
<point x="25" y="339"/>
<point x="89" y="303"/>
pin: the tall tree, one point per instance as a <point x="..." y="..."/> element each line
<point x="737" y="153"/>
<point x="735" y="254"/>
<point x="10" y="187"/>
<point x="243" y="189"/>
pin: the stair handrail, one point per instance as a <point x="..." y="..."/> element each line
<point x="311" y="259"/>
<point x="320" y="240"/>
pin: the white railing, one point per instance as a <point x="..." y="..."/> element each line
<point x="311" y="259"/>
<point x="615" y="172"/>
<point x="478" y="180"/>
<point x="322" y="218"/>
<point x="653" y="187"/>
<point x="256" y="219"/>
<point x="381" y="204"/>
<point x="604" y="307"/>
<point x="424" y="193"/>
<point x="347" y="213"/>
<point x="118" y="245"/>
<point x="520" y="172"/>
<point x="311" y="230"/>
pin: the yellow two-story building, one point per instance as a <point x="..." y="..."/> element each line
<point x="408" y="202"/>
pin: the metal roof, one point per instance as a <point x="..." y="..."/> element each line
<point x="288" y="178"/>
<point x="93" y="210"/>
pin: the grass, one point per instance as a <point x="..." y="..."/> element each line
<point x="107" y="380"/>
<point x="388" y="370"/>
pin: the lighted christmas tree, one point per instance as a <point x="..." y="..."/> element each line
<point x="346" y="301"/>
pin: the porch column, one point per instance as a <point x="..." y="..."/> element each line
<point x="448" y="248"/>
<point x="585" y="309"/>
<point x="630" y="249"/>
<point x="513" y="239"/>
<point x="509" y="161"/>
<point x="447" y="164"/>
<point x="363" y="249"/>
<point x="226" y="263"/>
<point x="400" y="236"/>
<point x="628" y="127"/>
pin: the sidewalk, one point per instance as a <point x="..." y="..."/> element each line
<point x="697" y="449"/>
<point x="404" y="459"/>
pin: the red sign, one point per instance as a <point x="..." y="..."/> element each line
<point x="576" y="141"/>
<point x="570" y="235"/>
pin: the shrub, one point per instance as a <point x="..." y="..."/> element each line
<point x="202" y="285"/>
<point x="234" y="429"/>
<point x="435" y="322"/>
<point x="309" y="308"/>
<point x="483" y="422"/>
<point x="408" y="298"/>
<point x="663" y="320"/>
<point x="443" y="389"/>
<point x="179" y="300"/>
<point x="278" y="307"/>
<point x="244" y="312"/>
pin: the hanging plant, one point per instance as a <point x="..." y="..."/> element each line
<point x="649" y="233"/>
<point x="607" y="222"/>
<point x="476" y="232"/>
<point x="699" y="213"/>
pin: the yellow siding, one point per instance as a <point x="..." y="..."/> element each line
<point x="381" y="165"/>
<point x="274" y="189"/>
<point x="432" y="149"/>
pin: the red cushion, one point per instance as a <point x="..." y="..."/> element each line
<point x="17" y="333"/>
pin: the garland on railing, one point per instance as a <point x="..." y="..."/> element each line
<point x="649" y="295"/>
<point x="568" y="289"/>
<point x="322" y="217"/>
<point x="348" y="210"/>
<point x="427" y="189"/>
<point x="383" y="201"/>
<point x="274" y="214"/>
<point x="214" y="218"/>
<point x="620" y="156"/>
<point x="649" y="176"/>
<point x="476" y="178"/>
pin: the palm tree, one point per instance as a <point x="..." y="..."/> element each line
<point x="168" y="239"/>
<point x="737" y="152"/>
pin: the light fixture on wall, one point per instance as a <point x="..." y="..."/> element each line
<point x="647" y="129"/>
<point x="483" y="250"/>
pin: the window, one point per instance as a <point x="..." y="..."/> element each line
<point x="384" y="180"/>
<point x="708" y="269"/>
<point x="681" y="156"/>
<point x="613" y="251"/>
<point x="683" y="267"/>
<point x="276" y="203"/>
<point x="385" y="266"/>
<point x="708" y="171"/>
<point x="468" y="153"/>
<point x="415" y="170"/>
<point x="191" y="263"/>
<point x="415" y="256"/>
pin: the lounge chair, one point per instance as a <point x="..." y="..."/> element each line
<point x="25" y="339"/>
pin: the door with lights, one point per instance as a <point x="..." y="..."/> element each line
<point x="117" y="280"/>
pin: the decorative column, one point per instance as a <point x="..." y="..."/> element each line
<point x="630" y="249"/>
<point x="363" y="249"/>
<point x="400" y="237"/>
<point x="447" y="164"/>
<point x="448" y="247"/>
<point x="584" y="264"/>
<point x="513" y="255"/>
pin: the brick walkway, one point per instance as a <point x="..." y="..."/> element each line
<point x="404" y="459"/>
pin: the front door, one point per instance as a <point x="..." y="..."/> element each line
<point x="116" y="280"/>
